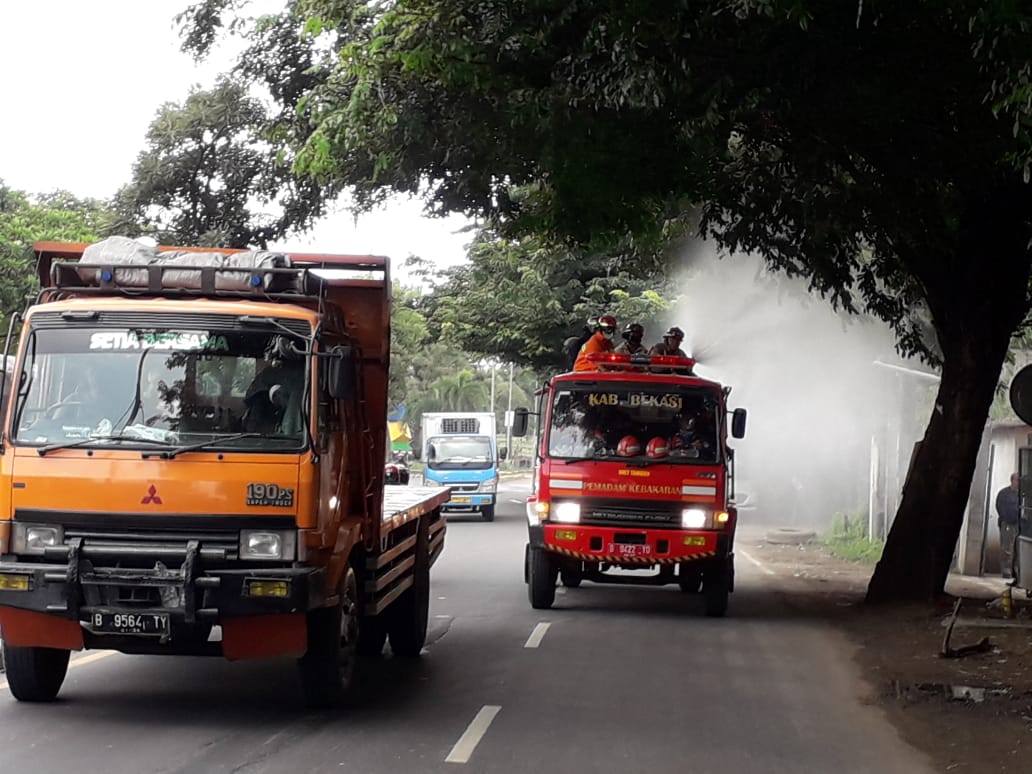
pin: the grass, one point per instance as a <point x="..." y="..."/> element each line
<point x="848" y="539"/>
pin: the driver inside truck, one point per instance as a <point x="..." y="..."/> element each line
<point x="274" y="396"/>
<point x="694" y="436"/>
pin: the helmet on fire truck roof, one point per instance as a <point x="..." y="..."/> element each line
<point x="629" y="446"/>
<point x="633" y="330"/>
<point x="606" y="323"/>
<point x="673" y="332"/>
<point x="657" y="447"/>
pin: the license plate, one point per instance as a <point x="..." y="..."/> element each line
<point x="153" y="624"/>
<point x="630" y="549"/>
<point x="462" y="499"/>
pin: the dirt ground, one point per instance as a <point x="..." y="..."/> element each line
<point x="970" y="714"/>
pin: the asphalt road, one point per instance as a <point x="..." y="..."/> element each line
<point x="613" y="679"/>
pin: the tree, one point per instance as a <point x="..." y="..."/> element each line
<point x="883" y="150"/>
<point x="25" y="219"/>
<point x="517" y="300"/>
<point x="214" y="174"/>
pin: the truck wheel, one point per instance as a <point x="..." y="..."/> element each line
<point x="333" y="634"/>
<point x="689" y="580"/>
<point x="407" y="617"/>
<point x="487" y="512"/>
<point x="35" y="674"/>
<point x="542" y="572"/>
<point x="372" y="636"/>
<point x="571" y="578"/>
<point x="716" y="585"/>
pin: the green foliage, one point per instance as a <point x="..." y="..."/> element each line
<point x="25" y="219"/>
<point x="214" y="174"/>
<point x="517" y="300"/>
<point x="848" y="539"/>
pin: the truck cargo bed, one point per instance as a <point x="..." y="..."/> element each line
<point x="404" y="503"/>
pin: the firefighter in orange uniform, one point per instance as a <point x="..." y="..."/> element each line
<point x="601" y="341"/>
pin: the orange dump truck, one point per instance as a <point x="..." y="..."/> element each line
<point x="192" y="463"/>
<point x="634" y="480"/>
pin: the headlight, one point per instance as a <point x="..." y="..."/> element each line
<point x="267" y="544"/>
<point x="568" y="513"/>
<point x="693" y="518"/>
<point x="491" y="485"/>
<point x="35" y="539"/>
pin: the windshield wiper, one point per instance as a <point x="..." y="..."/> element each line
<point x="42" y="451"/>
<point x="171" y="453"/>
<point x="571" y="460"/>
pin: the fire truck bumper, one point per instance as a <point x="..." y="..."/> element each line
<point x="628" y="546"/>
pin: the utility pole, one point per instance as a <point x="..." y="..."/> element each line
<point x="493" y="369"/>
<point x="508" y="421"/>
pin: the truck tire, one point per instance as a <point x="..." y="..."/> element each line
<point x="689" y="579"/>
<point x="407" y="618"/>
<point x="35" y="674"/>
<point x="542" y="573"/>
<point x="328" y="666"/>
<point x="487" y="512"/>
<point x="372" y="636"/>
<point x="571" y="578"/>
<point x="716" y="586"/>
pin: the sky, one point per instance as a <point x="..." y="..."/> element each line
<point x="82" y="82"/>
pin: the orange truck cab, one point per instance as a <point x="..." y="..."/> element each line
<point x="191" y="463"/>
<point x="634" y="480"/>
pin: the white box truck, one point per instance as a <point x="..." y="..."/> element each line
<point x="459" y="450"/>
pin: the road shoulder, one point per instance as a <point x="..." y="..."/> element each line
<point x="972" y="713"/>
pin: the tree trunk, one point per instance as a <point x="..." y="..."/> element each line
<point x="920" y="546"/>
<point x="978" y="299"/>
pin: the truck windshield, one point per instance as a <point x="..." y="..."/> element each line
<point x="635" y="424"/>
<point x="459" y="452"/>
<point x="173" y="386"/>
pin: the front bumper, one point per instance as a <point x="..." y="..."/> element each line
<point x="74" y="592"/>
<point x="469" y="501"/>
<point x="628" y="546"/>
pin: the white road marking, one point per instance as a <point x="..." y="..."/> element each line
<point x="78" y="662"/>
<point x="516" y="500"/>
<point x="471" y="737"/>
<point x="534" y="640"/>
<point x="763" y="568"/>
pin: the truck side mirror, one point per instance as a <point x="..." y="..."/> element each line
<point x="520" y="422"/>
<point x="340" y="373"/>
<point x="738" y="423"/>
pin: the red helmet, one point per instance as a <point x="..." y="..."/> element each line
<point x="629" y="446"/>
<point x="657" y="447"/>
<point x="607" y="323"/>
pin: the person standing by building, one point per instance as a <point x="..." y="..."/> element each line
<point x="1008" y="512"/>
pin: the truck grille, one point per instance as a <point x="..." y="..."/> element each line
<point x="620" y="513"/>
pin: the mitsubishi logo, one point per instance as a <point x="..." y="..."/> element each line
<point x="151" y="497"/>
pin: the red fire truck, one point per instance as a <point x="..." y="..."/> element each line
<point x="633" y="474"/>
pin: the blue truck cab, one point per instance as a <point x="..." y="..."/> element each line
<point x="459" y="450"/>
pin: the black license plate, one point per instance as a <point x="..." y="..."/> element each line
<point x="152" y="624"/>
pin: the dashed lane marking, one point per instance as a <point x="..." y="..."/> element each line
<point x="78" y="662"/>
<point x="516" y="500"/>
<point x="474" y="732"/>
<point x="763" y="568"/>
<point x="534" y="640"/>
